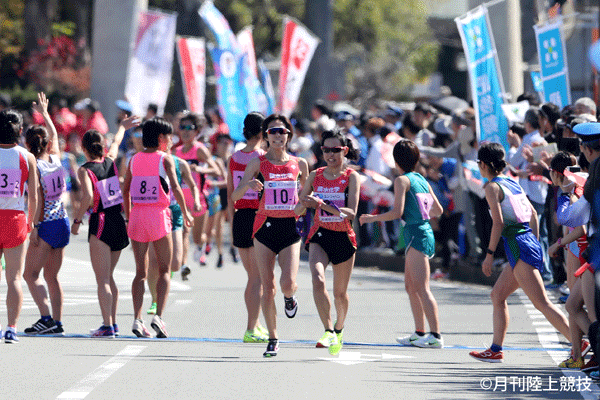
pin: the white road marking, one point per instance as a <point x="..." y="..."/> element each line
<point x="102" y="373"/>
<point x="356" y="357"/>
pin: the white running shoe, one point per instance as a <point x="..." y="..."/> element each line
<point x="140" y="330"/>
<point x="159" y="326"/>
<point x="429" y="341"/>
<point x="408" y="340"/>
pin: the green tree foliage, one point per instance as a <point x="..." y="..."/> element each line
<point x="388" y="42"/>
<point x="11" y="27"/>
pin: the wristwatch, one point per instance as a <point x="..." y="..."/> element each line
<point x="490" y="251"/>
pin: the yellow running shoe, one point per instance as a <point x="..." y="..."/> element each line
<point x="335" y="348"/>
<point x="326" y="340"/>
<point x="571" y="363"/>
<point x="255" y="336"/>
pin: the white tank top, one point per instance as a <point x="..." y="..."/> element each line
<point x="14" y="172"/>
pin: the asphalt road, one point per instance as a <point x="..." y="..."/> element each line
<point x="205" y="357"/>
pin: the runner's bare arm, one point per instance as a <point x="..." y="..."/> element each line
<point x="42" y="108"/>
<point x="186" y="176"/>
<point x="125" y="125"/>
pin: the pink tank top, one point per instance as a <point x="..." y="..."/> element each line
<point x="149" y="182"/>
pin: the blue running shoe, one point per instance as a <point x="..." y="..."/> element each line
<point x="103" y="331"/>
<point x="10" y="337"/>
<point x="116" y="329"/>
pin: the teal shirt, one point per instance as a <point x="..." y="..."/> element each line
<point x="412" y="214"/>
<point x="174" y="205"/>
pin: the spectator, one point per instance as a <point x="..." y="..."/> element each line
<point x="124" y="111"/>
<point x="64" y="120"/>
<point x="585" y="105"/>
<point x="89" y="117"/>
<point x="151" y="111"/>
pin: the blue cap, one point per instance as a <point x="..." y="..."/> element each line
<point x="124" y="105"/>
<point x="394" y="110"/>
<point x="588" y="131"/>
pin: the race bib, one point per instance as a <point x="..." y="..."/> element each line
<point x="110" y="191"/>
<point x="145" y="189"/>
<point x="425" y="202"/>
<point x="237" y="178"/>
<point x="55" y="184"/>
<point x="281" y="195"/>
<point x="338" y="199"/>
<point x="10" y="182"/>
<point x="520" y="206"/>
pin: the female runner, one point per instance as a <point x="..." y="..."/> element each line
<point x="17" y="168"/>
<point x="335" y="190"/>
<point x="101" y="194"/>
<point x="195" y="153"/>
<point x="515" y="219"/>
<point x="53" y="229"/>
<point x="243" y="221"/>
<point x="149" y="179"/>
<point x="415" y="203"/>
<point x="277" y="175"/>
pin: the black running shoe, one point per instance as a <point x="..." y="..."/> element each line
<point x="185" y="271"/>
<point x="272" y="348"/>
<point x="291" y="306"/>
<point x="220" y="261"/>
<point x="41" y="327"/>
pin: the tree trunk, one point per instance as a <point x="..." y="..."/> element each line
<point x="38" y="15"/>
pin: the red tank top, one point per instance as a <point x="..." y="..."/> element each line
<point x="237" y="165"/>
<point x="149" y="180"/>
<point x="335" y="192"/>
<point x="280" y="191"/>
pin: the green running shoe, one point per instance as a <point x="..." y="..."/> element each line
<point x="326" y="340"/>
<point x="152" y="309"/>
<point x="255" y="336"/>
<point x="335" y="347"/>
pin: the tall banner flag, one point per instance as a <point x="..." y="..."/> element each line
<point x="297" y="49"/>
<point x="149" y="70"/>
<point x="536" y="79"/>
<point x="267" y="84"/>
<point x="192" y="62"/>
<point x="255" y="96"/>
<point x="484" y="72"/>
<point x="554" y="71"/>
<point x="227" y="62"/>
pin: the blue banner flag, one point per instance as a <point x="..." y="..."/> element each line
<point x="231" y="96"/>
<point x="554" y="71"/>
<point x="267" y="84"/>
<point x="218" y="25"/>
<point x="484" y="72"/>
<point x="536" y="79"/>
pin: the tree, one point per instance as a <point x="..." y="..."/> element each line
<point x="387" y="44"/>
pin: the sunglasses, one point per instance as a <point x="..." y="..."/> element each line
<point x="278" y="130"/>
<point x="187" y="127"/>
<point x="336" y="149"/>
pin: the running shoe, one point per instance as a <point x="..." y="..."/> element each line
<point x="116" y="329"/>
<point x="595" y="375"/>
<point x="591" y="365"/>
<point x="326" y="340"/>
<point x="207" y="249"/>
<point x="255" y="336"/>
<point x="152" y="309"/>
<point x="202" y="260"/>
<point x="234" y="254"/>
<point x="430" y="342"/>
<point x="104" y="331"/>
<point x="41" y="327"/>
<point x="585" y="348"/>
<point x="564" y="289"/>
<point x="262" y="330"/>
<point x="563" y="299"/>
<point x="10" y="337"/>
<point x="408" y="340"/>
<point x="291" y="306"/>
<point x="272" y="348"/>
<point x="185" y="271"/>
<point x="159" y="326"/>
<point x="488" y="356"/>
<point x="57" y="331"/>
<point x="220" y="261"/>
<point x="438" y="274"/>
<point x="140" y="330"/>
<point x="571" y="363"/>
<point x="335" y="348"/>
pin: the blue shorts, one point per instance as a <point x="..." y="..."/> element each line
<point x="419" y="237"/>
<point x="524" y="247"/>
<point x="214" y="203"/>
<point x="56" y="233"/>
<point x="176" y="217"/>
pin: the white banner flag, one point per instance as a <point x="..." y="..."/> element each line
<point x="192" y="62"/>
<point x="149" y="72"/>
<point x="297" y="49"/>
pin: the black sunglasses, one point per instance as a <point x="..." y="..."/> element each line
<point x="336" y="149"/>
<point x="278" y="130"/>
